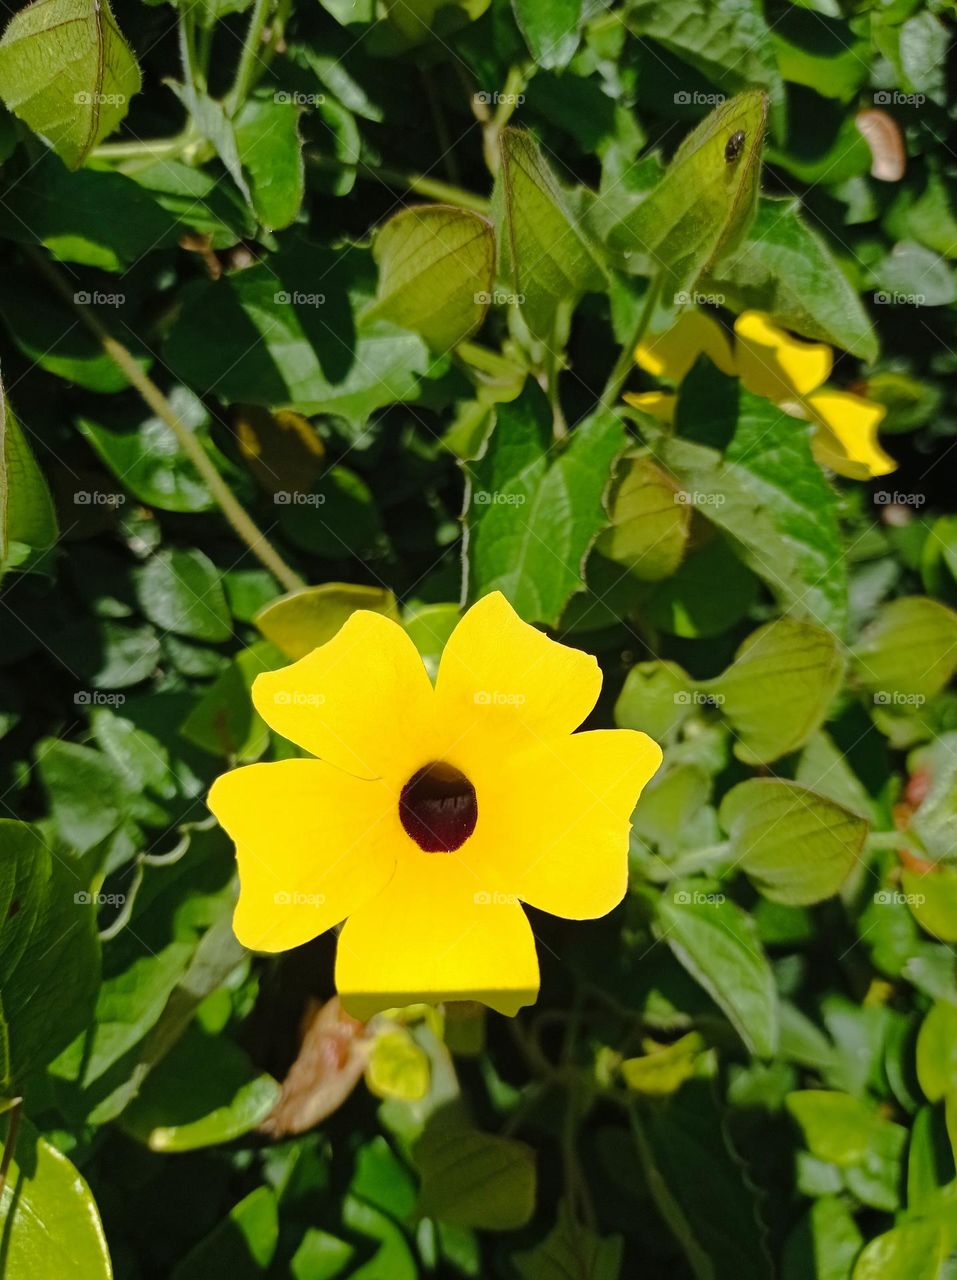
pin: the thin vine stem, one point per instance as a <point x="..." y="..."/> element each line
<point x="625" y="362"/>
<point x="250" y="56"/>
<point x="431" y="188"/>
<point x="242" y="522"/>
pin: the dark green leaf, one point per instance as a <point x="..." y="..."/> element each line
<point x="532" y="517"/>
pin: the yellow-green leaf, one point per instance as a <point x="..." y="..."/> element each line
<point x="28" y="525"/>
<point x="937" y="1051"/>
<point x="704" y="201"/>
<point x="436" y="272"/>
<point x="777" y="691"/>
<point x="650" y="521"/>
<point x="67" y="72"/>
<point x="544" y="253"/>
<point x="908" y="653"/>
<point x="795" y="845"/>
<point x="664" y="1070"/>
<point x="398" y="1068"/>
<point x="301" y="621"/>
<point x="49" y="1222"/>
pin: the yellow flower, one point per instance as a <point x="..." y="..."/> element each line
<point x="786" y="370"/>
<point x="431" y="814"/>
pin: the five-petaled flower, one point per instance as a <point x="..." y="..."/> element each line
<point x="432" y="813"/>
<point x="771" y="363"/>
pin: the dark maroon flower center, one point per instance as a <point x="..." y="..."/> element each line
<point x="438" y="808"/>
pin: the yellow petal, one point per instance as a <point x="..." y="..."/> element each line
<point x="503" y="685"/>
<point x="773" y="364"/>
<point x="362" y="701"/>
<point x="673" y="353"/>
<point x="313" y="844"/>
<point x="659" y="404"/>
<point x="553" y="828"/>
<point x="435" y="933"/>
<point x="846" y="436"/>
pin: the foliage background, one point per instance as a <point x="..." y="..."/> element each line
<point x="748" y="1069"/>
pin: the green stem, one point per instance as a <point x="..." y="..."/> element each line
<point x="277" y="30"/>
<point x="142" y="149"/>
<point x="625" y="363"/>
<point x="431" y="188"/>
<point x="888" y="840"/>
<point x="242" y="522"/>
<point x="246" y="72"/>
<point x="192" y="75"/>
<point x="492" y="126"/>
<point x="10" y="1144"/>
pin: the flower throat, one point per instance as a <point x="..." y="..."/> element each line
<point x="438" y="808"/>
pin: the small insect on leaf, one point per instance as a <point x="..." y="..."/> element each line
<point x="734" y="146"/>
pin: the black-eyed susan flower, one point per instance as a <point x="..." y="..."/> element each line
<point x="786" y="370"/>
<point x="428" y="815"/>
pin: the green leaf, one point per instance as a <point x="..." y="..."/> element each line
<point x="720" y="1233"/>
<point x="917" y="274"/>
<point x="650" y="522"/>
<point x="795" y="846"/>
<point x="224" y="721"/>
<point x="89" y="794"/>
<point x="727" y="41"/>
<point x="908" y="652"/>
<point x="397" y="1067"/>
<point x="824" y="1243"/>
<point x="177" y="947"/>
<point x="932" y="899"/>
<point x="46" y="330"/>
<point x="241" y="1246"/>
<point x="474" y="1179"/>
<point x="791" y="666"/>
<point x="148" y="458"/>
<point x="704" y="201"/>
<point x="49" y="952"/>
<point x="840" y="1129"/>
<point x="544" y="253"/>
<point x="270" y="152"/>
<point x="181" y="591"/>
<point x="706" y="595"/>
<point x="912" y="1251"/>
<point x="28" y="527"/>
<point x="718" y="944"/>
<point x="204" y="1092"/>
<point x="663" y="1070"/>
<point x="429" y="628"/>
<point x="531" y="517"/>
<point x="49" y="1221"/>
<point x="551" y="30"/>
<point x="294" y="321"/>
<point x="765" y="490"/>
<point x="63" y="211"/>
<point x="571" y="1251"/>
<point x="785" y="268"/>
<point x="655" y="698"/>
<point x="67" y="72"/>
<point x="303" y="620"/>
<point x="320" y="1256"/>
<point x="937" y="1051"/>
<point x="436" y="272"/>
<point x="198" y="200"/>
